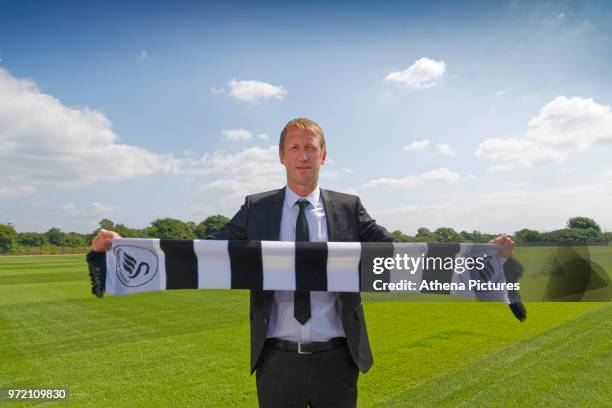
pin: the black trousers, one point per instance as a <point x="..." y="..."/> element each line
<point x="327" y="379"/>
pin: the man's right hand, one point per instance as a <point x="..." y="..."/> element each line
<point x="102" y="241"/>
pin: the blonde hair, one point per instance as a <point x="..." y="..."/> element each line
<point x="305" y="124"/>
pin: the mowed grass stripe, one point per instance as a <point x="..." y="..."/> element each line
<point x="39" y="264"/>
<point x="33" y="278"/>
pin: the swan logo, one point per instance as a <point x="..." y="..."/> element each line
<point x="135" y="266"/>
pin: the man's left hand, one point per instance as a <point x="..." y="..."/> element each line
<point x="507" y="245"/>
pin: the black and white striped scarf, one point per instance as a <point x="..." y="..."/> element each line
<point x="144" y="265"/>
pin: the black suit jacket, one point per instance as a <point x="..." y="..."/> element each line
<point x="259" y="218"/>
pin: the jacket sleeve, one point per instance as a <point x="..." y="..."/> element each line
<point x="369" y="230"/>
<point x="236" y="228"/>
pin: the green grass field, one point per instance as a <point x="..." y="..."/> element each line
<point x="190" y="348"/>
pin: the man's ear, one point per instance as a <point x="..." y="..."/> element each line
<point x="323" y="156"/>
<point x="281" y="156"/>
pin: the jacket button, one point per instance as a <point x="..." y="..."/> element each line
<point x="266" y="321"/>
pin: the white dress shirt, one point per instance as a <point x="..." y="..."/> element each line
<point x="324" y="322"/>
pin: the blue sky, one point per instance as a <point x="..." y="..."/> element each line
<point x="481" y="115"/>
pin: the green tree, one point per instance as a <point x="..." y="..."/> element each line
<point x="74" y="240"/>
<point x="106" y="224"/>
<point x="478" y="236"/>
<point x="127" y="232"/>
<point x="170" y="228"/>
<point x="210" y="225"/>
<point x="88" y="238"/>
<point x="583" y="223"/>
<point x="527" y="235"/>
<point x="424" y="235"/>
<point x="120" y="229"/>
<point x="399" y="235"/>
<point x="474" y="236"/>
<point x="150" y="232"/>
<point x="31" y="239"/>
<point x="487" y="237"/>
<point x="55" y="236"/>
<point x="8" y="238"/>
<point x="192" y="226"/>
<point x="574" y="236"/>
<point x="446" y="234"/>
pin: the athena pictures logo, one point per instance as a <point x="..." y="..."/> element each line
<point x="135" y="266"/>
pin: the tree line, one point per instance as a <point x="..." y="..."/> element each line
<point x="12" y="241"/>
<point x="579" y="231"/>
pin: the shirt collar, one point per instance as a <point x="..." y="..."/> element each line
<point x="291" y="197"/>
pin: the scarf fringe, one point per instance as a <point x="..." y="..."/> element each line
<point x="96" y="262"/>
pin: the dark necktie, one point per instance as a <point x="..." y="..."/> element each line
<point x="301" y="299"/>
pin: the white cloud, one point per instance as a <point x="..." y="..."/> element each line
<point x="217" y="90"/>
<point x="563" y="127"/>
<point x="69" y="208"/>
<point x="441" y="175"/>
<point x="502" y="167"/>
<point x="562" y="26"/>
<point x="242" y="134"/>
<point x="253" y="160"/>
<point x="236" y="134"/>
<point x="102" y="208"/>
<point x="500" y="92"/>
<point x="88" y="212"/>
<point x="142" y="55"/>
<point x="417" y="146"/>
<point x="254" y="91"/>
<point x="235" y="175"/>
<point x="16" y="191"/>
<point x="335" y="174"/>
<point x="423" y="145"/>
<point x="43" y="142"/>
<point x="445" y="149"/>
<point x="424" y="73"/>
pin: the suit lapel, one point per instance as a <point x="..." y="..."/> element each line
<point x="333" y="234"/>
<point x="276" y="210"/>
<point x="330" y="215"/>
<point x="274" y="221"/>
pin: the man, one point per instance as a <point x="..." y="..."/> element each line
<point x="307" y="347"/>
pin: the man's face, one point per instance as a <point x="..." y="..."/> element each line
<point x="302" y="156"/>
